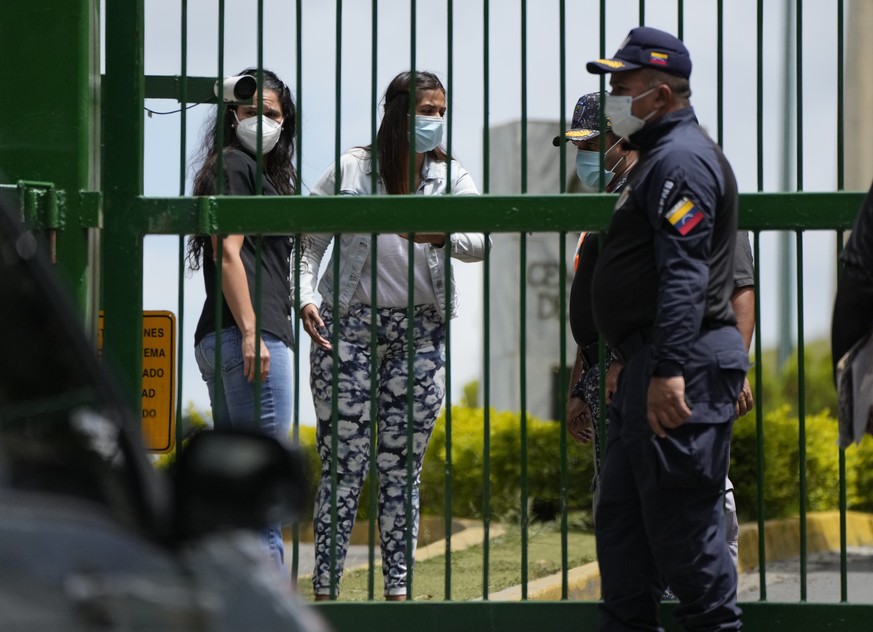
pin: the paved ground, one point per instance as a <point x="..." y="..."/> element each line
<point x="822" y="578"/>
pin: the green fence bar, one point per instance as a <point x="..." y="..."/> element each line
<point x="374" y="417"/>
<point x="759" y="426"/>
<point x="719" y="65"/>
<point x="562" y="92"/>
<point x="450" y="59"/>
<point x="563" y="379"/>
<point x="334" y="410"/>
<point x="486" y="416"/>
<point x="123" y="172"/>
<point x="801" y="416"/>
<point x="522" y="375"/>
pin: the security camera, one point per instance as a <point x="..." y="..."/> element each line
<point x="236" y="89"/>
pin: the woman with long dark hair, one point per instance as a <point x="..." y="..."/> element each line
<point x="255" y="331"/>
<point x="352" y="311"/>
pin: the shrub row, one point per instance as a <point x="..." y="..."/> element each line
<point x="781" y="471"/>
<point x="781" y="464"/>
<point x="505" y="466"/>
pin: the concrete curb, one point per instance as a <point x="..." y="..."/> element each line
<point x="781" y="539"/>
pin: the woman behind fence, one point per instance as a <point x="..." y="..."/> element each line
<point x="255" y="388"/>
<point x="351" y="311"/>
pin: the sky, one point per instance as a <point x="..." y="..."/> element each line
<point x="319" y="121"/>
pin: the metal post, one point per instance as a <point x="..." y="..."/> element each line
<point x="122" y="239"/>
<point x="56" y="138"/>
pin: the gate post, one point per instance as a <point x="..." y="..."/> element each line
<point x="50" y="126"/>
<point x="123" y="162"/>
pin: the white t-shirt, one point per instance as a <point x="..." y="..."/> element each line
<point x="392" y="275"/>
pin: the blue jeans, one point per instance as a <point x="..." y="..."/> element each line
<point x="236" y="409"/>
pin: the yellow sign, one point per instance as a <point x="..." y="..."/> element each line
<point x="158" y="378"/>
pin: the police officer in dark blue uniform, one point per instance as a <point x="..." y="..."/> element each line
<point x="661" y="298"/>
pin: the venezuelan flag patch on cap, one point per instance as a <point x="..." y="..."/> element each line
<point x="684" y="216"/>
<point x="661" y="59"/>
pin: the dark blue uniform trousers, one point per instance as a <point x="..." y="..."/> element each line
<point x="660" y="521"/>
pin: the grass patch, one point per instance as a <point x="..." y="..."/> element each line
<point x="504" y="565"/>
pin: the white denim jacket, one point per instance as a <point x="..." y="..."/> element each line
<point x="355" y="248"/>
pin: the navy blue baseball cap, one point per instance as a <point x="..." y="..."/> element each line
<point x="586" y="120"/>
<point x="646" y="47"/>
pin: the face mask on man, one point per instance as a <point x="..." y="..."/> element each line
<point x="618" y="111"/>
<point x="588" y="169"/>
<point x="428" y="132"/>
<point x="247" y="133"/>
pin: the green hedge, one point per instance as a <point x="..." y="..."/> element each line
<point x="781" y="482"/>
<point x="781" y="466"/>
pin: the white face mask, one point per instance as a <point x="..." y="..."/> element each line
<point x="618" y="111"/>
<point x="588" y="169"/>
<point x="428" y="132"/>
<point x="247" y="133"/>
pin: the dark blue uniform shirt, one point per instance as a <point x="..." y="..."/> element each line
<point x="666" y="269"/>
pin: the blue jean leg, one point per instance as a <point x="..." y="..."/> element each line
<point x="236" y="410"/>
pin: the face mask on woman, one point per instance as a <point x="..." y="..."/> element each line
<point x="247" y="133"/>
<point x="428" y="132"/>
<point x="588" y="169"/>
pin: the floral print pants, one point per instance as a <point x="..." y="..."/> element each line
<point x="353" y="429"/>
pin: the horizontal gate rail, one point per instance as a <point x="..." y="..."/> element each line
<point x="487" y="213"/>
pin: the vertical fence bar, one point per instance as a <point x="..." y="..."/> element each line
<point x="448" y="309"/>
<point x="183" y="127"/>
<point x="123" y="161"/>
<point x="486" y="416"/>
<point x="486" y="316"/>
<point x="373" y="476"/>
<point x="759" y="430"/>
<point x="562" y="280"/>
<point x="334" y="414"/>
<point x="413" y="100"/>
<point x="844" y="563"/>
<point x="219" y="190"/>
<point x="259" y="190"/>
<point x="759" y="359"/>
<point x="680" y="19"/>
<point x="720" y="75"/>
<point x="522" y="372"/>
<point x="374" y="406"/>
<point x="335" y="312"/>
<point x="562" y="410"/>
<point x="338" y="96"/>
<point x="410" y="315"/>
<point x="410" y="412"/>
<point x="522" y="307"/>
<point x="295" y="379"/>
<point x="801" y="409"/>
<point x="486" y="139"/>
<point x="562" y="98"/>
<point x="799" y="94"/>
<point x="801" y="417"/>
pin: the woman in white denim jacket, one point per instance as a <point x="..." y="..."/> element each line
<point x="353" y="311"/>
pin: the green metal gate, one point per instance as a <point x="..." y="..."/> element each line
<point x="86" y="187"/>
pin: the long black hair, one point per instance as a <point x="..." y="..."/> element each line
<point x="278" y="164"/>
<point x="392" y="140"/>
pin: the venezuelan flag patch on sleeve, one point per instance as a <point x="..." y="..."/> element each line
<point x="684" y="216"/>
